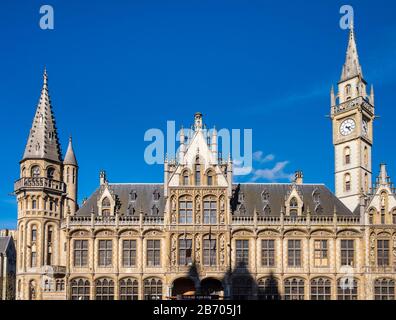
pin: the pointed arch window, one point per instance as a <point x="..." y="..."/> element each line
<point x="185" y="178"/>
<point x="106" y="207"/>
<point x="347" y="155"/>
<point x="80" y="289"/>
<point x="50" y="173"/>
<point x="35" y="171"/>
<point x="209" y="178"/>
<point x="133" y="195"/>
<point x="293" y="207"/>
<point x="347" y="182"/>
<point x="348" y="91"/>
<point x="156" y="195"/>
<point x="104" y="289"/>
<point x="129" y="289"/>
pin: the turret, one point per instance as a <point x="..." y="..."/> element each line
<point x="70" y="177"/>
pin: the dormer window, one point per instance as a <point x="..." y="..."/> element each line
<point x="210" y="178"/>
<point x="197" y="174"/>
<point x="185" y="178"/>
<point x="316" y="196"/>
<point x="156" y="195"/>
<point x="106" y="207"/>
<point x="133" y="195"/>
<point x="154" y="210"/>
<point x="265" y="196"/>
<point x="293" y="207"/>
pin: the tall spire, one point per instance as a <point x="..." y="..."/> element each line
<point x="70" y="157"/>
<point x="352" y="66"/>
<point x="43" y="142"/>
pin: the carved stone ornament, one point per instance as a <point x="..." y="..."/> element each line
<point x="173" y="249"/>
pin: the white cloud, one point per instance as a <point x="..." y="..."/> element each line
<point x="274" y="174"/>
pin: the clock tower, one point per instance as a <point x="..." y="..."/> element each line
<point x="352" y="115"/>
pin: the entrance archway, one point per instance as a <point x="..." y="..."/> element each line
<point x="183" y="287"/>
<point x="212" y="287"/>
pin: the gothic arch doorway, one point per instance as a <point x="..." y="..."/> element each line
<point x="183" y="287"/>
<point x="212" y="287"/>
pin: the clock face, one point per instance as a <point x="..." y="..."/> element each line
<point x="347" y="127"/>
<point x="365" y="127"/>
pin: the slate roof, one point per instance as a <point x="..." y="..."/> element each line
<point x="4" y="242"/>
<point x="43" y="141"/>
<point x="252" y="199"/>
<point x="144" y="199"/>
<point x="278" y="193"/>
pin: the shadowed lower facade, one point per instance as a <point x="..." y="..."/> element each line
<point x="198" y="234"/>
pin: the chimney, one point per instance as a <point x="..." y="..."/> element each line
<point x="298" y="177"/>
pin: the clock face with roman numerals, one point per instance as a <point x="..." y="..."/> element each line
<point x="347" y="127"/>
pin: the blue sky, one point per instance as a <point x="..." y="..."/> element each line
<point x="118" y="68"/>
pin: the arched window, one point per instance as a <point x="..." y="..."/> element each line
<point x="33" y="237"/>
<point x="32" y="290"/>
<point x="348" y="91"/>
<point x="320" y="289"/>
<point x="80" y="289"/>
<point x="371" y="215"/>
<point x="294" y="289"/>
<point x="50" y="173"/>
<point x="186" y="181"/>
<point x="365" y="156"/>
<point x="185" y="210"/>
<point x="59" y="285"/>
<point x="106" y="207"/>
<point x="347" y="289"/>
<point x="35" y="172"/>
<point x="347" y="155"/>
<point x="384" y="289"/>
<point x="366" y="182"/>
<point x="293" y="207"/>
<point x="242" y="288"/>
<point x="347" y="182"/>
<point x="49" y="248"/>
<point x="104" y="289"/>
<point x="34" y="204"/>
<point x="209" y="178"/>
<point x="268" y="289"/>
<point x="152" y="289"/>
<point x="129" y="289"/>
<point x="210" y="210"/>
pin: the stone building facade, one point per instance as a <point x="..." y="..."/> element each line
<point x="198" y="233"/>
<point x="7" y="265"/>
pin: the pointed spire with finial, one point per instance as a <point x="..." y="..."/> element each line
<point x="43" y="141"/>
<point x="352" y="66"/>
<point x="70" y="157"/>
